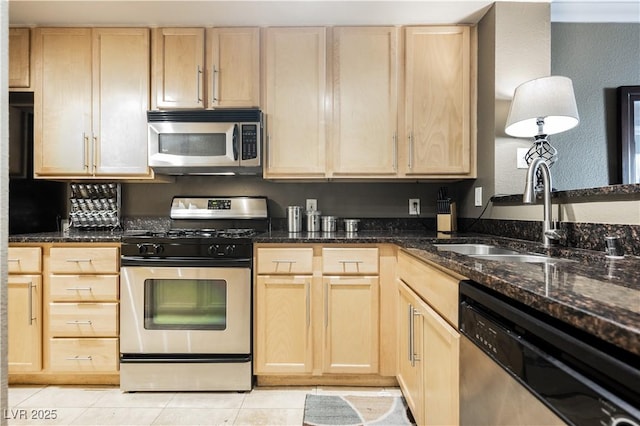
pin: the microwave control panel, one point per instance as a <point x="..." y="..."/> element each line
<point x="249" y="141"/>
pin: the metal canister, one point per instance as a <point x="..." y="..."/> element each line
<point x="294" y="218"/>
<point x="351" y="225"/>
<point x="313" y="220"/>
<point x="329" y="223"/>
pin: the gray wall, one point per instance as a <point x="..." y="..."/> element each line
<point x="353" y="200"/>
<point x="598" y="57"/>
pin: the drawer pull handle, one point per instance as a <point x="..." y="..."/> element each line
<point x="284" y="261"/>
<point x="350" y="261"/>
<point x="13" y="260"/>
<point x="79" y="260"/>
<point x="78" y="322"/>
<point x="79" y="289"/>
<point x="80" y="358"/>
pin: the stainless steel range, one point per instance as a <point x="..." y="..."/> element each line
<point x="185" y="314"/>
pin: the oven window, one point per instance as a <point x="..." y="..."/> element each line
<point x="185" y="304"/>
<point x="193" y="144"/>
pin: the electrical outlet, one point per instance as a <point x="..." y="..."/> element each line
<point x="414" y="206"/>
<point x="521" y="163"/>
<point x="312" y="204"/>
<point x="478" y="200"/>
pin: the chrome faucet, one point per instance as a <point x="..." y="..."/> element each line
<point x="550" y="234"/>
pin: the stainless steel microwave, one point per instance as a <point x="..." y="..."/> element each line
<point x="205" y="142"/>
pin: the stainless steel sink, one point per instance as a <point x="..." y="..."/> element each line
<point x="473" y="249"/>
<point x="521" y="257"/>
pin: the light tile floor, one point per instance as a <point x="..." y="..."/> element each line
<point x="100" y="405"/>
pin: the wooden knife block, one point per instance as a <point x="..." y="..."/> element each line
<point x="447" y="222"/>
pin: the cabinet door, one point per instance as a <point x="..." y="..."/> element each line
<point x="295" y="94"/>
<point x="24" y="319"/>
<point x="178" y="67"/>
<point x="441" y="354"/>
<point x="121" y="100"/>
<point x="233" y="67"/>
<point x="283" y="337"/>
<point x="364" y="101"/>
<point x="437" y="101"/>
<point x="350" y="324"/>
<point x="19" y="58"/>
<point x="409" y="375"/>
<point x="62" y="101"/>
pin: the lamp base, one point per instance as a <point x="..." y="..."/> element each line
<point x="541" y="148"/>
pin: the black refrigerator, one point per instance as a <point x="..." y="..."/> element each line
<point x="35" y="205"/>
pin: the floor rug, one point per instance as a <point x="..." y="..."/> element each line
<point x="325" y="410"/>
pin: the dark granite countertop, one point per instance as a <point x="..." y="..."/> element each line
<point x="70" y="236"/>
<point x="592" y="293"/>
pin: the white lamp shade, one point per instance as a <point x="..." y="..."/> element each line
<point x="549" y="98"/>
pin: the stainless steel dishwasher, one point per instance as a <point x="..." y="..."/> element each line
<point x="518" y="367"/>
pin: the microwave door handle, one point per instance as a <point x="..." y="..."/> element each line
<point x="235" y="142"/>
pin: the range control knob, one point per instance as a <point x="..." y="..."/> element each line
<point x="229" y="249"/>
<point x="158" y="248"/>
<point x="214" y="249"/>
<point x="143" y="248"/>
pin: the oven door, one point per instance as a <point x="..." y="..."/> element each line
<point x="186" y="144"/>
<point x="185" y="310"/>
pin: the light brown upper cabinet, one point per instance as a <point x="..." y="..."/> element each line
<point x="295" y="93"/>
<point x="178" y="68"/>
<point x="90" y="102"/>
<point x="365" y="99"/>
<point x="233" y="67"/>
<point x="19" y="59"/>
<point x="212" y="68"/>
<point x="438" y="109"/>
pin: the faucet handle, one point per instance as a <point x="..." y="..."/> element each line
<point x="556" y="234"/>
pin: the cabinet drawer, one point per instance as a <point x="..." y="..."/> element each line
<point x="83" y="355"/>
<point x="84" y="260"/>
<point x="83" y="319"/>
<point x="83" y="288"/>
<point x="24" y="260"/>
<point x="285" y="260"/>
<point x="437" y="288"/>
<point x="350" y="261"/>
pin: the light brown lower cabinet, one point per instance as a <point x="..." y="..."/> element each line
<point x="24" y="309"/>
<point x="283" y="325"/>
<point x="350" y="324"/>
<point x="24" y="317"/>
<point x="323" y="320"/>
<point x="63" y="321"/>
<point x="81" y="355"/>
<point x="428" y="346"/>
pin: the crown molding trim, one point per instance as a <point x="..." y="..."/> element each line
<point x="595" y="11"/>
